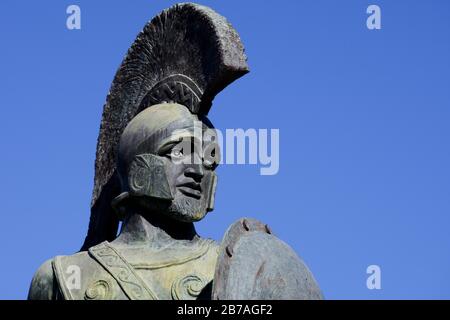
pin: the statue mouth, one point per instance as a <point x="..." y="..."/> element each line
<point x="191" y="189"/>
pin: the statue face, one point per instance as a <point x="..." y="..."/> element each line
<point x="189" y="166"/>
<point x="168" y="157"/>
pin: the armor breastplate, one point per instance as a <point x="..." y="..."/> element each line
<point x="106" y="273"/>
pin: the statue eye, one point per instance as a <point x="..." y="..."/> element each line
<point x="177" y="153"/>
<point x="211" y="156"/>
<point x="209" y="164"/>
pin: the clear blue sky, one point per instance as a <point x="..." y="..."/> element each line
<point x="364" y="134"/>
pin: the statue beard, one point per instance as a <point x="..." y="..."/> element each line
<point x="182" y="208"/>
<point x="187" y="209"/>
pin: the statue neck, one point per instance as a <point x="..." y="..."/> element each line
<point x="154" y="230"/>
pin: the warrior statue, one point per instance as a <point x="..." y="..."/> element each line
<point x="154" y="172"/>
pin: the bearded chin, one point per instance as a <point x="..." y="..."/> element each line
<point x="187" y="209"/>
<point x="182" y="208"/>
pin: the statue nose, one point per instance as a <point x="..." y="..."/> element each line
<point x="195" y="171"/>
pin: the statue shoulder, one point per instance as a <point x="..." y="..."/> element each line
<point x="43" y="284"/>
<point x="72" y="277"/>
<point x="255" y="264"/>
<point x="48" y="282"/>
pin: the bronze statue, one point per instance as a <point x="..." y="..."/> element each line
<point x="156" y="156"/>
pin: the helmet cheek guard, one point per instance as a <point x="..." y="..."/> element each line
<point x="211" y="184"/>
<point x="147" y="177"/>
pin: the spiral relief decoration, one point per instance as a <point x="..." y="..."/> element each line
<point x="99" y="290"/>
<point x="187" y="288"/>
<point x="138" y="177"/>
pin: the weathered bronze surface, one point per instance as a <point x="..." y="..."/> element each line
<point x="145" y="177"/>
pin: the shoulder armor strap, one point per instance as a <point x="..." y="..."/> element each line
<point x="131" y="283"/>
<point x="60" y="278"/>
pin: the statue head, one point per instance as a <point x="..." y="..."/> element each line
<point x="168" y="79"/>
<point x="166" y="162"/>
